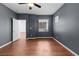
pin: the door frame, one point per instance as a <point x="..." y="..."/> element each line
<point x="12" y="28"/>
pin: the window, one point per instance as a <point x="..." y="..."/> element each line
<point x="43" y="25"/>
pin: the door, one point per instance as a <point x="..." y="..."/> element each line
<point x="15" y="29"/>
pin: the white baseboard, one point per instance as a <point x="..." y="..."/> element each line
<point x="38" y="37"/>
<point x="5" y="44"/>
<point x="66" y="47"/>
<point x="43" y="37"/>
<point x="15" y="40"/>
<point x="31" y="38"/>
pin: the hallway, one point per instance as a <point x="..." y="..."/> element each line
<point x="35" y="47"/>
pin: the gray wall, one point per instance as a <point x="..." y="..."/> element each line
<point x="67" y="29"/>
<point x="5" y="24"/>
<point x="32" y="21"/>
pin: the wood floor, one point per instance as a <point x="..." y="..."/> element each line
<point x="35" y="47"/>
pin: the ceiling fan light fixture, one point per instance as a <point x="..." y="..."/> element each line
<point x="30" y="4"/>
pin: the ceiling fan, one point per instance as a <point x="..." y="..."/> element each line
<point x="31" y="5"/>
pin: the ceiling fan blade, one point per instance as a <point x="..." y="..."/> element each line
<point x="22" y="3"/>
<point x="37" y="5"/>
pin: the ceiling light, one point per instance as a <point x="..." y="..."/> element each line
<point x="30" y="4"/>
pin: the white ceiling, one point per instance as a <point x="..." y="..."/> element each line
<point x="46" y="9"/>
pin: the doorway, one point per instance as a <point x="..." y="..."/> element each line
<point x="22" y="29"/>
<point x="19" y="29"/>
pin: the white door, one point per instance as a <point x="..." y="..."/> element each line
<point x="15" y="29"/>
